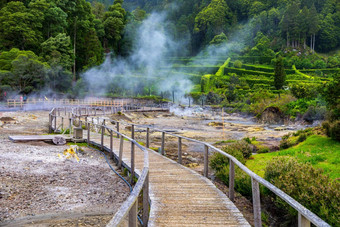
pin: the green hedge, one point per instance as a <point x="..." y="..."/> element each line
<point x="332" y="71"/>
<point x="197" y="69"/>
<point x="246" y="72"/>
<point x="257" y="68"/>
<point x="255" y="59"/>
<point x="220" y="71"/>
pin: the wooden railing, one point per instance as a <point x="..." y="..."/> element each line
<point x="305" y="216"/>
<point x="130" y="206"/>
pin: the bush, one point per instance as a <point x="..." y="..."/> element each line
<point x="332" y="129"/>
<point x="307" y="185"/>
<point x="238" y="64"/>
<point x="240" y="147"/>
<point x="220" y="163"/>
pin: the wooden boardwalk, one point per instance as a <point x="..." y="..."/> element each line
<point x="180" y="196"/>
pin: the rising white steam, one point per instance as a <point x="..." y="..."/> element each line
<point x="143" y="69"/>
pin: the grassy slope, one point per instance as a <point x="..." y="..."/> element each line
<point x="320" y="151"/>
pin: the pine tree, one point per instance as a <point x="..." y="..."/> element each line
<point x="280" y="74"/>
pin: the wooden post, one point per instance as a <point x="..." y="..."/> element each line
<point x="121" y="151"/>
<point x="50" y="123"/>
<point x="231" y="180"/>
<point x="163" y="138"/>
<point x="133" y="215"/>
<point x="147" y="137"/>
<point x="206" y="160"/>
<point x="256" y="203"/>
<point x="62" y="123"/>
<point x="55" y="121"/>
<point x="146" y="201"/>
<point x="133" y="131"/>
<point x="88" y="133"/>
<point x="180" y="150"/>
<point x="117" y="129"/>
<point x="70" y="126"/>
<point x="132" y="162"/>
<point x="111" y="144"/>
<point x="102" y="137"/>
<point x="303" y="222"/>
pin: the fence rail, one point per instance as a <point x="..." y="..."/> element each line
<point x="305" y="216"/>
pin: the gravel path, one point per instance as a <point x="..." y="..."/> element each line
<point x="38" y="182"/>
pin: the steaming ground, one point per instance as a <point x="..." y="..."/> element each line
<point x="38" y="184"/>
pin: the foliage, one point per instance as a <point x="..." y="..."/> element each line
<point x="220" y="164"/>
<point x="309" y="186"/>
<point x="332" y="129"/>
<point x="280" y="74"/>
<point x="238" y="64"/>
<point x="322" y="152"/>
<point x="331" y="93"/>
<point x="304" y="91"/>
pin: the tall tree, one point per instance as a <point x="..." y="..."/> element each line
<point x="279" y="74"/>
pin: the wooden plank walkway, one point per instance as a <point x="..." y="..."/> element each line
<point x="180" y="196"/>
<point x="26" y="138"/>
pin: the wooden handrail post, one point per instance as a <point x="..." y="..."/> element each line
<point x="62" y="123"/>
<point x="55" y="122"/>
<point x="163" y="139"/>
<point x="302" y="221"/>
<point x="132" y="162"/>
<point x="146" y="201"/>
<point x="133" y="131"/>
<point x="121" y="152"/>
<point x="206" y="160"/>
<point x="102" y="137"/>
<point x="133" y="215"/>
<point x="50" y="123"/>
<point x="231" y="180"/>
<point x="70" y="126"/>
<point x="180" y="150"/>
<point x="256" y="202"/>
<point x="117" y="129"/>
<point x="147" y="137"/>
<point x="88" y="133"/>
<point x="111" y="144"/>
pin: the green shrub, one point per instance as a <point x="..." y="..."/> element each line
<point x="332" y="129"/>
<point x="240" y="147"/>
<point x="307" y="185"/>
<point x="220" y="163"/>
<point x="238" y="64"/>
<point x="302" y="138"/>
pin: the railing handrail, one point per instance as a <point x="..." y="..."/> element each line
<point x="293" y="203"/>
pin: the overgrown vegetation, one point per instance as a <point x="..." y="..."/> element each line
<point x="308" y="172"/>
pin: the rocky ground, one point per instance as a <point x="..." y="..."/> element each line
<point x="39" y="186"/>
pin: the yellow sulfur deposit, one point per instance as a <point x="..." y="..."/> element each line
<point x="71" y="153"/>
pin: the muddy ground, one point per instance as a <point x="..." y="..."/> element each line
<point x="41" y="187"/>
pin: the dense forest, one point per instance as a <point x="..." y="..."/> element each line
<point x="48" y="43"/>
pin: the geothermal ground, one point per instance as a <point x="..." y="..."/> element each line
<point x="41" y="187"/>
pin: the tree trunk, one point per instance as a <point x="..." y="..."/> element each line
<point x="311" y="42"/>
<point x="287" y="40"/>
<point x="74" y="49"/>
<point x="314" y="44"/>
